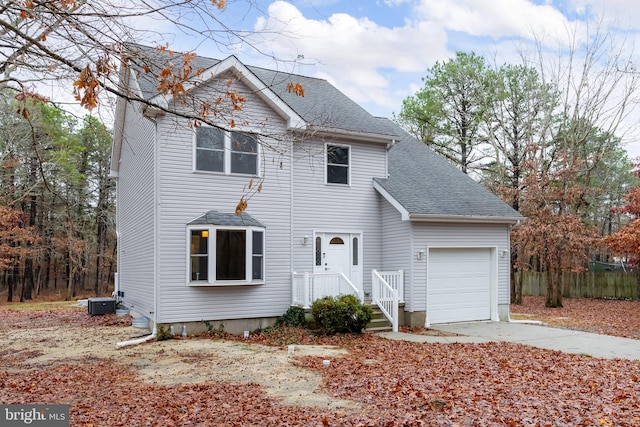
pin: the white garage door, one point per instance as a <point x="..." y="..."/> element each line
<point x="459" y="285"/>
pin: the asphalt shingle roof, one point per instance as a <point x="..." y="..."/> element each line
<point x="228" y="219"/>
<point x="322" y="104"/>
<point x="425" y="183"/>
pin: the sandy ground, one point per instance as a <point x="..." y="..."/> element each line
<point x="182" y="361"/>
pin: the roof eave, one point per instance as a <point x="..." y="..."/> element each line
<point x="479" y="219"/>
<point x="354" y="135"/>
<point x="392" y="200"/>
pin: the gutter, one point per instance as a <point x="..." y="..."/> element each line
<point x="465" y="218"/>
<point x="355" y="135"/>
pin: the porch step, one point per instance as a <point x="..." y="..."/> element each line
<point x="378" y="323"/>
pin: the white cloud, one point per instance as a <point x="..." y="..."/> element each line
<point x="497" y="18"/>
<point x="352" y="53"/>
<point x="379" y="65"/>
<point x="623" y="14"/>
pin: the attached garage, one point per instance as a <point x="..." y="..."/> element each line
<point x="449" y="235"/>
<point x="459" y="284"/>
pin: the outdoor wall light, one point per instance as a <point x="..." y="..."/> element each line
<point x="504" y="253"/>
<point x="305" y="240"/>
<point x="421" y="254"/>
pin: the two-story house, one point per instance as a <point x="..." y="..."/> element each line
<point x="349" y="203"/>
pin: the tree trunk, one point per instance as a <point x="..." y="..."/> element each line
<point x="557" y="303"/>
<point x="47" y="269"/>
<point x="512" y="286"/>
<point x="554" y="286"/>
<point x="549" y="297"/>
<point x="519" y="286"/>
<point x="101" y="238"/>
<point x="516" y="285"/>
<point x="10" y="284"/>
<point x="27" y="285"/>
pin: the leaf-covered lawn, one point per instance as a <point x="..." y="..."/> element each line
<point x="609" y="317"/>
<point x="395" y="383"/>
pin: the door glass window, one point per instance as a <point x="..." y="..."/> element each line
<point x="318" y="251"/>
<point x="355" y="251"/>
<point x="336" y="241"/>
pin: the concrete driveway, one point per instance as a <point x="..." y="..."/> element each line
<point x="596" y="345"/>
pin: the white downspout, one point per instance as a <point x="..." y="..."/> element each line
<point x="138" y="340"/>
<point x="154" y="331"/>
<point x="291" y="218"/>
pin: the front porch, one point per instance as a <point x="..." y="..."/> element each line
<point x="387" y="290"/>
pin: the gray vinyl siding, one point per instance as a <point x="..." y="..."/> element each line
<point x="335" y="207"/>
<point x="135" y="214"/>
<point x="396" y="246"/>
<point x="459" y="235"/>
<point x="186" y="194"/>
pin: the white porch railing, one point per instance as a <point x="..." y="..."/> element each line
<point x="385" y="296"/>
<point x="308" y="287"/>
<point x="395" y="279"/>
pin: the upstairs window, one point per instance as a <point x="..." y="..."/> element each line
<point x="337" y="164"/>
<point x="225" y="152"/>
<point x="244" y="154"/>
<point x="209" y="149"/>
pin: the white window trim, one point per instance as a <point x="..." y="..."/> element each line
<point x="326" y="164"/>
<point x="227" y="155"/>
<point x="211" y="265"/>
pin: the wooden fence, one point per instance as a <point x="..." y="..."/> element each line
<point x="585" y="285"/>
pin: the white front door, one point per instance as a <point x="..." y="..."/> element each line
<point x="339" y="253"/>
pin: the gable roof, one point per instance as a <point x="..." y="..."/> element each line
<point x="424" y="186"/>
<point x="322" y="107"/>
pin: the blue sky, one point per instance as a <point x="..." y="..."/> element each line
<point x="377" y="51"/>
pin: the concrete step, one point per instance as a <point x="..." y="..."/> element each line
<point x="378" y="323"/>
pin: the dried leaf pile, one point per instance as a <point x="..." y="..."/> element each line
<point x="393" y="383"/>
<point x="601" y="316"/>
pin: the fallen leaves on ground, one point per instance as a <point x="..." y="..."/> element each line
<point x="12" y="318"/>
<point x="103" y="393"/>
<point x="282" y="336"/>
<point x="396" y="383"/>
<point x="602" y="316"/>
<point x="482" y="384"/>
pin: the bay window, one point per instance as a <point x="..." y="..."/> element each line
<point x="233" y="255"/>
